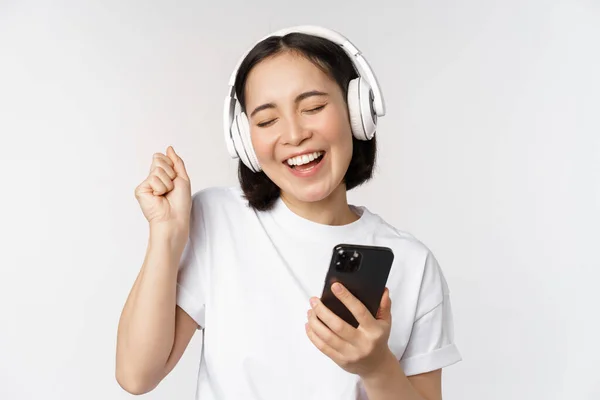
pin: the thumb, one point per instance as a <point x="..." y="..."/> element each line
<point x="385" y="307"/>
<point x="178" y="165"/>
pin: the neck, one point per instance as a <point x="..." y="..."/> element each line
<point x="332" y="210"/>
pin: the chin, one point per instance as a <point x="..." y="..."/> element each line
<point x="309" y="193"/>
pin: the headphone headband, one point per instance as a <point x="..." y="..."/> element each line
<point x="360" y="63"/>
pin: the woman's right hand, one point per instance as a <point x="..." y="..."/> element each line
<point x="165" y="195"/>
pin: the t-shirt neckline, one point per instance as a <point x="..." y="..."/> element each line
<point x="298" y="225"/>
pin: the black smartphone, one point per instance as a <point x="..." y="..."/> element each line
<point x="364" y="271"/>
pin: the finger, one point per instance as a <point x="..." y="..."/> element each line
<point x="325" y="334"/>
<point x="143" y="188"/>
<point x="158" y="187"/>
<point x="164" y="177"/>
<point x="178" y="164"/>
<point x="161" y="156"/>
<point x="164" y="165"/>
<point x="333" y="321"/>
<point x="356" y="307"/>
<point x="385" y="307"/>
<point x="321" y="345"/>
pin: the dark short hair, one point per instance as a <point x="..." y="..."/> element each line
<point x="260" y="191"/>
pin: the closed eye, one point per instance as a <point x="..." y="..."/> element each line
<point x="265" y="124"/>
<point x="316" y="109"/>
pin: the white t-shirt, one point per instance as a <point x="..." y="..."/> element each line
<point x="246" y="278"/>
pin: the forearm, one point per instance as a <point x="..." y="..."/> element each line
<point x="390" y="383"/>
<point x="147" y="325"/>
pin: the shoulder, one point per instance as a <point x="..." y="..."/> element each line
<point x="412" y="257"/>
<point x="216" y="197"/>
<point x="396" y="238"/>
<point x="213" y="205"/>
<point x="217" y="193"/>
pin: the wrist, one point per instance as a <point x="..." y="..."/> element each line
<point x="388" y="368"/>
<point x="174" y="237"/>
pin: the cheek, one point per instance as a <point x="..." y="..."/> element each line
<point x="263" y="146"/>
<point x="339" y="134"/>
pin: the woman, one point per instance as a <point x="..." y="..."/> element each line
<point x="246" y="265"/>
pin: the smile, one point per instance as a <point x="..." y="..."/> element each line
<point x="305" y="165"/>
<point x="305" y="160"/>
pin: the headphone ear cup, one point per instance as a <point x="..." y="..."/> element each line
<point x="228" y="121"/>
<point x="360" y="108"/>
<point x="237" y="142"/>
<point x="248" y="149"/>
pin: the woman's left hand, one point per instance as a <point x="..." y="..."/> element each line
<point x="362" y="350"/>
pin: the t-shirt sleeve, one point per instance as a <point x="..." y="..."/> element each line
<point x="431" y="345"/>
<point x="192" y="277"/>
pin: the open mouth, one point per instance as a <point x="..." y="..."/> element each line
<point x="305" y="162"/>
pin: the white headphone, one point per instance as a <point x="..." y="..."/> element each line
<point x="365" y="101"/>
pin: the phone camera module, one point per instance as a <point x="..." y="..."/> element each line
<point x="348" y="261"/>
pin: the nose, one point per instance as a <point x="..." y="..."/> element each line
<point x="295" y="133"/>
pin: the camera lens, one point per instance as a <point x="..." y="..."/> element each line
<point x="355" y="260"/>
<point x="348" y="261"/>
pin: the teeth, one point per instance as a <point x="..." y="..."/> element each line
<point x="304" y="159"/>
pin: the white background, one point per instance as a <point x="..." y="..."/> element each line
<point x="489" y="153"/>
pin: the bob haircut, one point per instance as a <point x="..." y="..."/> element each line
<point x="260" y="191"/>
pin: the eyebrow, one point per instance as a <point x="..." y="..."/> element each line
<point x="298" y="99"/>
